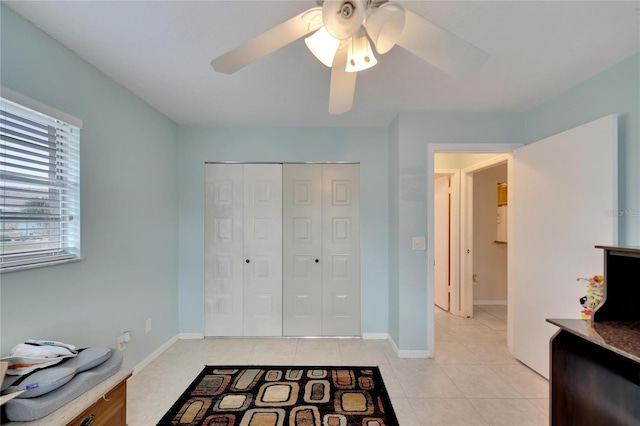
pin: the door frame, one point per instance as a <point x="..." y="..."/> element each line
<point x="497" y="148"/>
<point x="466" y="228"/>
<point x="454" y="237"/>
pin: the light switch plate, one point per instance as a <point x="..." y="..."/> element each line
<point x="418" y="243"/>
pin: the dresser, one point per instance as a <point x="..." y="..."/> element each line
<point x="595" y="363"/>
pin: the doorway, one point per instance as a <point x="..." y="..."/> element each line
<point x="553" y="227"/>
<point x="483" y="260"/>
<point x="458" y="229"/>
<point x="489" y="239"/>
<point x="463" y="157"/>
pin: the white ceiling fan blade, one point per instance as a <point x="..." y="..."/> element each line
<point x="440" y="47"/>
<point x="343" y="84"/>
<point x="270" y="41"/>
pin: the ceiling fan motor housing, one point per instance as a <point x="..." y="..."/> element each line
<point x="343" y="18"/>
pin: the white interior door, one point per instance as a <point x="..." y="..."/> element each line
<point x="263" y="250"/>
<point x="223" y="239"/>
<point x="340" y="250"/>
<point x="441" y="241"/>
<point x="302" y="250"/>
<point x="562" y="199"/>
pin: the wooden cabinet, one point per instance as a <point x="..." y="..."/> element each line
<point x="595" y="364"/>
<point x="110" y="410"/>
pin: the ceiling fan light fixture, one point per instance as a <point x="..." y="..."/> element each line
<point x="360" y="56"/>
<point x="385" y="25"/>
<point x="323" y="46"/>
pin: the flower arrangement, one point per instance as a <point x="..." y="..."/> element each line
<point x="595" y="293"/>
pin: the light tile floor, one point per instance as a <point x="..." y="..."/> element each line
<point x="473" y="379"/>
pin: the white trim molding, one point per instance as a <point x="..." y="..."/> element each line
<point x="191" y="336"/>
<point x="375" y="336"/>
<point x="38" y="106"/>
<point x="402" y="353"/>
<point x="153" y="355"/>
<point x="414" y="354"/>
<point x="490" y="302"/>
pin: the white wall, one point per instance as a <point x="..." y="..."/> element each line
<point x="614" y="91"/>
<point x="489" y="257"/>
<point x="454" y="160"/>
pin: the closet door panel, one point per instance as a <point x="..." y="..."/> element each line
<point x="302" y="250"/>
<point x="223" y="275"/>
<point x="263" y="250"/>
<point x="341" y="250"/>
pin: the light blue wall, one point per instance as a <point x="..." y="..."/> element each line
<point x="394" y="230"/>
<point x="367" y="146"/>
<point x="616" y="90"/>
<point x="129" y="209"/>
<point x="136" y="197"/>
<point x="416" y="132"/>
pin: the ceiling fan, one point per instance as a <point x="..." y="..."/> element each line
<point x="345" y="30"/>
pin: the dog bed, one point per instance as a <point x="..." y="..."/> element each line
<point x="28" y="409"/>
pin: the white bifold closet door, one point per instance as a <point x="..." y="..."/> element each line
<point x="243" y="250"/>
<point x="223" y="251"/>
<point x="321" y="251"/>
<point x="263" y="250"/>
<point x="282" y="250"/>
<point x="302" y="250"/>
<point x="341" y="249"/>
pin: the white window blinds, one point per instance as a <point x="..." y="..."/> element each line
<point x="39" y="188"/>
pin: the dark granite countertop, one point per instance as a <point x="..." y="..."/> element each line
<point x="622" y="337"/>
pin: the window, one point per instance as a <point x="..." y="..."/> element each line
<point x="39" y="188"/>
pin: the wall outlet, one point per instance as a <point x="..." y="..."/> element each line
<point x="123" y="339"/>
<point x="147" y="325"/>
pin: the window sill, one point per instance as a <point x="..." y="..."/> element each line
<point x="38" y="265"/>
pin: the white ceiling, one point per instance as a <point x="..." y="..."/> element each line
<point x="161" y="51"/>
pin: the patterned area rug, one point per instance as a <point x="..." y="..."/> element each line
<point x="284" y="396"/>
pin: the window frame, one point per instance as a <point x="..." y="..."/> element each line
<point x="68" y="246"/>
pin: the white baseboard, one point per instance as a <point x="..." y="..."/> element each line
<point x="375" y="336"/>
<point x="402" y="353"/>
<point x="414" y="354"/>
<point x="155" y="354"/>
<point x="393" y="344"/>
<point x="190" y="336"/>
<point x="489" y="302"/>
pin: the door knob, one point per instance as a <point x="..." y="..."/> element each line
<point x="248" y="261"/>
<point x="317" y="260"/>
